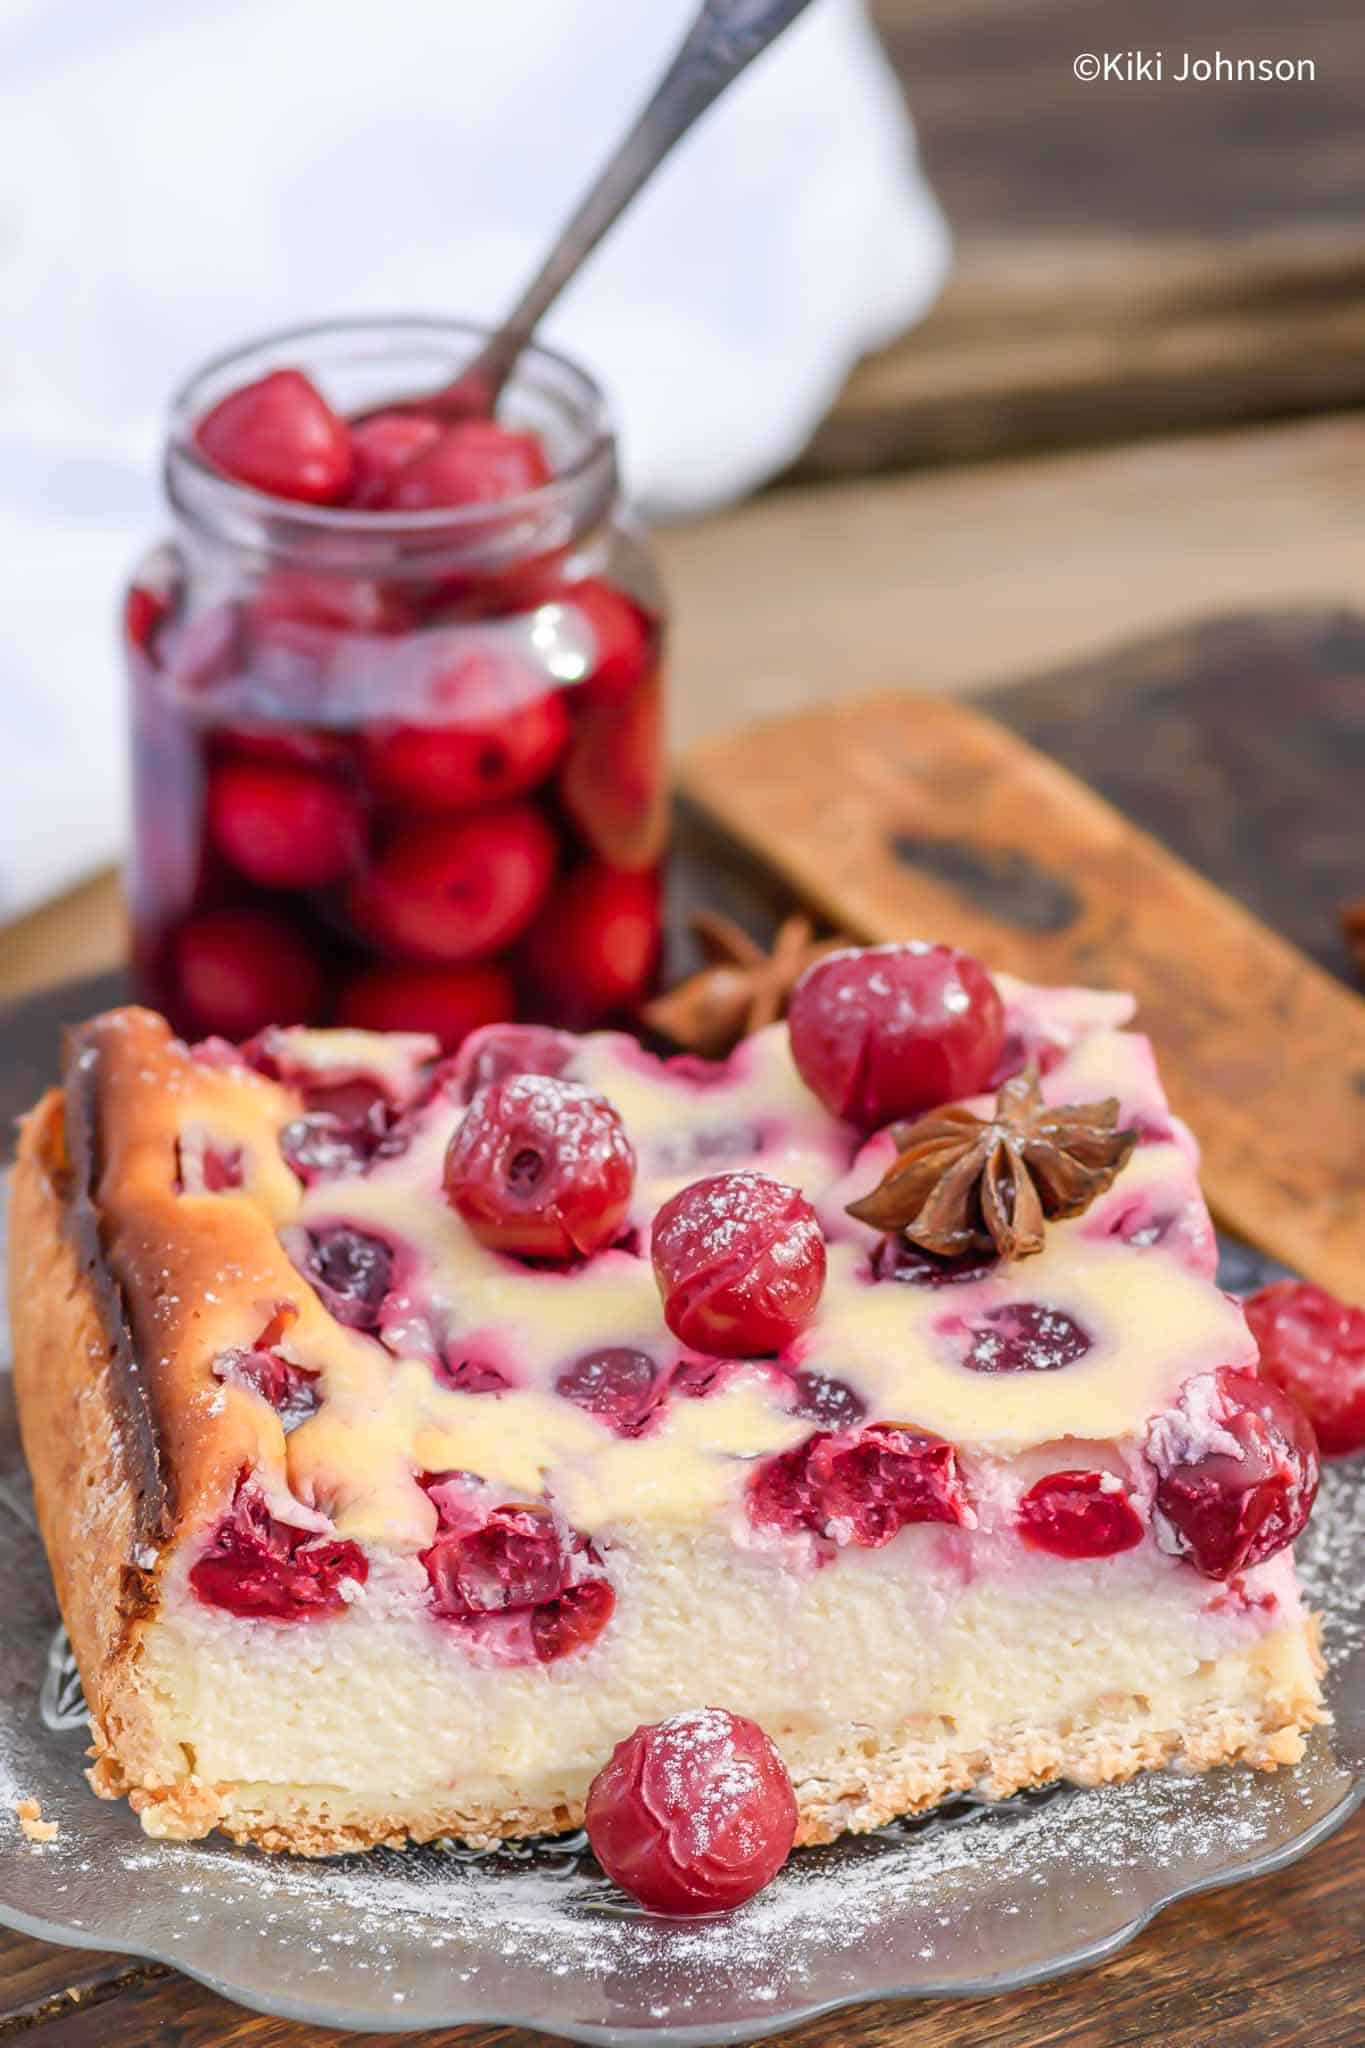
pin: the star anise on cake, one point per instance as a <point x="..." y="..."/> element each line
<point x="741" y="989"/>
<point x="963" y="1183"/>
<point x="1353" y="930"/>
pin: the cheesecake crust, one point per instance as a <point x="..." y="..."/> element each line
<point x="844" y="1787"/>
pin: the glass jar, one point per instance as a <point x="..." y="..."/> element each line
<point x="392" y="769"/>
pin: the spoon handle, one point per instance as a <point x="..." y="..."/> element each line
<point x="726" y="36"/>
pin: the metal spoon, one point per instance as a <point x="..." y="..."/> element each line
<point x="726" y="36"/>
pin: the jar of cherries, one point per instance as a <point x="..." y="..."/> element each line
<point x="396" y="700"/>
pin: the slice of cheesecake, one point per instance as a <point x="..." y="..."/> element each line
<point x="388" y="1481"/>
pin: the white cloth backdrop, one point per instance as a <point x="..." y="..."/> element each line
<point x="176" y="178"/>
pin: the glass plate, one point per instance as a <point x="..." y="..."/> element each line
<point x="973" y="1899"/>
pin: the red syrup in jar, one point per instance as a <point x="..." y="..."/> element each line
<point x="396" y="712"/>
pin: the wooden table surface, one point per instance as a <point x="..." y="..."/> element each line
<point x="1133" y="265"/>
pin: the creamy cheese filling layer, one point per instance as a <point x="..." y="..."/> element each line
<point x="389" y="1708"/>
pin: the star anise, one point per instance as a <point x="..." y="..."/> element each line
<point x="1352" y="917"/>
<point x="966" y="1183"/>
<point x="741" y="988"/>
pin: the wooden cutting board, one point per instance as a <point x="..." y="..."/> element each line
<point x="909" y="816"/>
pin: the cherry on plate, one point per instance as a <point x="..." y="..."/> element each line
<point x="740" y="1262"/>
<point x="1313" y="1346"/>
<point x="475" y="462"/>
<point x="694" y="1814"/>
<point x="891" y="1031"/>
<point x="448" y="1002"/>
<point x="1238" y="1469"/>
<point x="541" y="1168"/>
<point x="449" y="890"/>
<point x="1079" y="1514"/>
<point x="592" y="953"/>
<point x="284" y="827"/>
<point x="279" y="435"/>
<point x="238" y="970"/>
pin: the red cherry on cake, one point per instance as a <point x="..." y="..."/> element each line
<point x="284" y="827"/>
<point x="455" y="889"/>
<point x="517" y="1562"/>
<point x="238" y="970"/>
<point x="507" y="1049"/>
<point x="263" y="1569"/>
<point x="694" y="1814"/>
<point x="280" y="436"/>
<point x="1238" y="1472"/>
<point x="618" y="1384"/>
<point x="1079" y="1514"/>
<point x="862" y="1487"/>
<point x="382" y="446"/>
<point x="489" y="754"/>
<point x="740" y="1262"/>
<point x="475" y="462"/>
<point x="287" y="1388"/>
<point x="592" y="952"/>
<point x="1313" y="1346"/>
<point x="818" y="1397"/>
<point x="541" y="1167"/>
<point x="350" y="1270"/>
<point x="890" y="1031"/>
<point x="449" y="1002"/>
<point x="1026" y="1336"/>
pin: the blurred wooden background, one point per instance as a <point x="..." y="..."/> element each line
<point x="1134" y="405"/>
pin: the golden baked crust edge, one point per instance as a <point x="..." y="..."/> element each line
<point x="88" y="1478"/>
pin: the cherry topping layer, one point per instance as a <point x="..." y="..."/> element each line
<point x="861" y="1487"/>
<point x="693" y="1815"/>
<point x="1313" y="1346"/>
<point x="324" y="1144"/>
<point x="280" y="436"/>
<point x="890" y="1031"/>
<point x="620" y="1385"/>
<point x="1238" y="1472"/>
<point x="263" y="1569"/>
<point x="740" y="1262"/>
<point x="1026" y="1336"/>
<point x="1079" y="1514"/>
<point x="517" y="1562"/>
<point x="541" y="1167"/>
<point x="351" y="1271"/>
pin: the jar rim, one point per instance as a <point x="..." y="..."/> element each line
<point x="189" y="476"/>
